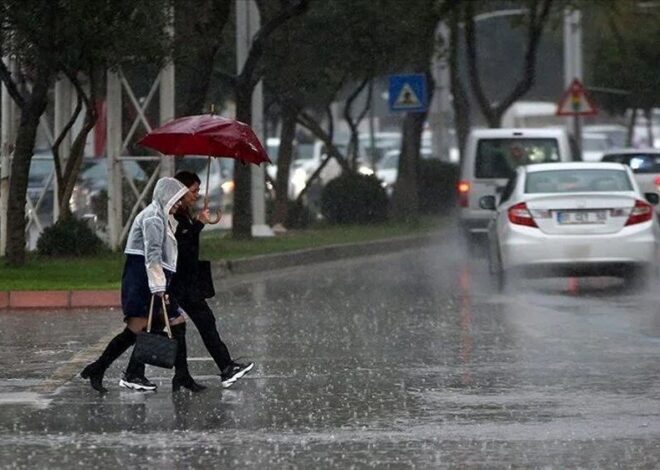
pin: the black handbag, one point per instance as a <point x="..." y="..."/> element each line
<point x="204" y="282"/>
<point x="156" y="349"/>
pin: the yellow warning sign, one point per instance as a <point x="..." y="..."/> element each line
<point x="575" y="101"/>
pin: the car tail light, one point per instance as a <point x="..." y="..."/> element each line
<point x="642" y="212"/>
<point x="463" y="192"/>
<point x="520" y="215"/>
<point x="657" y="182"/>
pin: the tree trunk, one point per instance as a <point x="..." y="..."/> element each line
<point x="242" y="212"/>
<point x="34" y="107"/>
<point x="405" y="200"/>
<point x="284" y="158"/>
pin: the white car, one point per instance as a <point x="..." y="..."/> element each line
<point x="491" y="157"/>
<point x="594" y="146"/>
<point x="573" y="218"/>
<point x="645" y="164"/>
<point x="387" y="169"/>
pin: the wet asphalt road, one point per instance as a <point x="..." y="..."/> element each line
<point x="405" y="360"/>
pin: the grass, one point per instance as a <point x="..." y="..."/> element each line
<point x="104" y="271"/>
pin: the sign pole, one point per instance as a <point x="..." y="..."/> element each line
<point x="577" y="132"/>
<point x="576" y="103"/>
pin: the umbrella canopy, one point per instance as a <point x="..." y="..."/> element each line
<point x="207" y="134"/>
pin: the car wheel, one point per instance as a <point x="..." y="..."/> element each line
<point x="498" y="275"/>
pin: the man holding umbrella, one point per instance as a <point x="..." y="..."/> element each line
<point x="185" y="284"/>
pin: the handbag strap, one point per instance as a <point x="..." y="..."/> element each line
<point x="165" y="317"/>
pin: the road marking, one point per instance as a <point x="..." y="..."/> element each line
<point x="66" y="372"/>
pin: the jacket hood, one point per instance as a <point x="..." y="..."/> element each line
<point x="167" y="192"/>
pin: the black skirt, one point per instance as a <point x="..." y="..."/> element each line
<point x="135" y="292"/>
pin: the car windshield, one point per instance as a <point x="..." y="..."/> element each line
<point x="595" y="143"/>
<point x="638" y="162"/>
<point x="574" y="180"/>
<point x="40" y="170"/>
<point x="498" y="158"/>
<point x="305" y="151"/>
<point x="390" y="161"/>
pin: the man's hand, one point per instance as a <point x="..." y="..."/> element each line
<point x="204" y="216"/>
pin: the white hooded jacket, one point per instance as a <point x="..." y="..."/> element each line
<point x="152" y="233"/>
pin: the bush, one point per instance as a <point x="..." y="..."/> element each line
<point x="69" y="237"/>
<point x="436" y="186"/>
<point x="353" y="198"/>
<point x="298" y="214"/>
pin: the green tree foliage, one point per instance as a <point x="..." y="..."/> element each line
<point x="76" y="39"/>
<point x="337" y="48"/>
<point x="623" y="61"/>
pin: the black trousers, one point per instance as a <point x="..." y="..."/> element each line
<point x="202" y="316"/>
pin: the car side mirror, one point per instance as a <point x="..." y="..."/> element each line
<point x="488" y="202"/>
<point x="653" y="198"/>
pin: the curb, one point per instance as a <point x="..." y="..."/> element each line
<point x="223" y="269"/>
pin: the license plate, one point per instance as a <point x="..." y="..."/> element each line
<point x="581" y="217"/>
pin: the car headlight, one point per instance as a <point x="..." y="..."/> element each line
<point x="227" y="187"/>
<point x="365" y="170"/>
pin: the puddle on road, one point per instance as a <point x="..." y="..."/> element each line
<point x="24" y="398"/>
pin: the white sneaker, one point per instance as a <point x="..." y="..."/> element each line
<point x="234" y="372"/>
<point x="137" y="383"/>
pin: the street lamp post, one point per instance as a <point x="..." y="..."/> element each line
<point x="247" y="25"/>
<point x="573" y="62"/>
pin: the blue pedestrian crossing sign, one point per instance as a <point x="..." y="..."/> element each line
<point x="408" y="93"/>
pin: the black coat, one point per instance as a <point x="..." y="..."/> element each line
<point x="184" y="282"/>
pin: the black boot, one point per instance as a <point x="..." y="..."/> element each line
<point x="115" y="348"/>
<point x="182" y="377"/>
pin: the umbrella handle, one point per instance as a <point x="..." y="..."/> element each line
<point x="206" y="189"/>
<point x="218" y="215"/>
<point x="206" y="196"/>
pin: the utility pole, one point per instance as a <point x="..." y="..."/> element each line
<point x="7" y="138"/>
<point x="573" y="62"/>
<point x="440" y="103"/>
<point x="247" y="25"/>
<point x="63" y="112"/>
<point x="166" y="90"/>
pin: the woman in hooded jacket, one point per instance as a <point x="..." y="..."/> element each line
<point x="151" y="256"/>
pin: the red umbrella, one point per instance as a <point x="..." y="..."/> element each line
<point x="207" y="134"/>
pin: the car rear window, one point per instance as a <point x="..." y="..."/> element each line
<point x="638" y="162"/>
<point x="499" y="158"/>
<point x="569" y="181"/>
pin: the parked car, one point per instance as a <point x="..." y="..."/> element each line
<point x="492" y="157"/>
<point x="387" y="169"/>
<point x="645" y="164"/>
<point x="594" y="145"/>
<point x="41" y="185"/>
<point x="616" y="133"/>
<point x="220" y="182"/>
<point x="577" y="218"/>
<point x="93" y="180"/>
